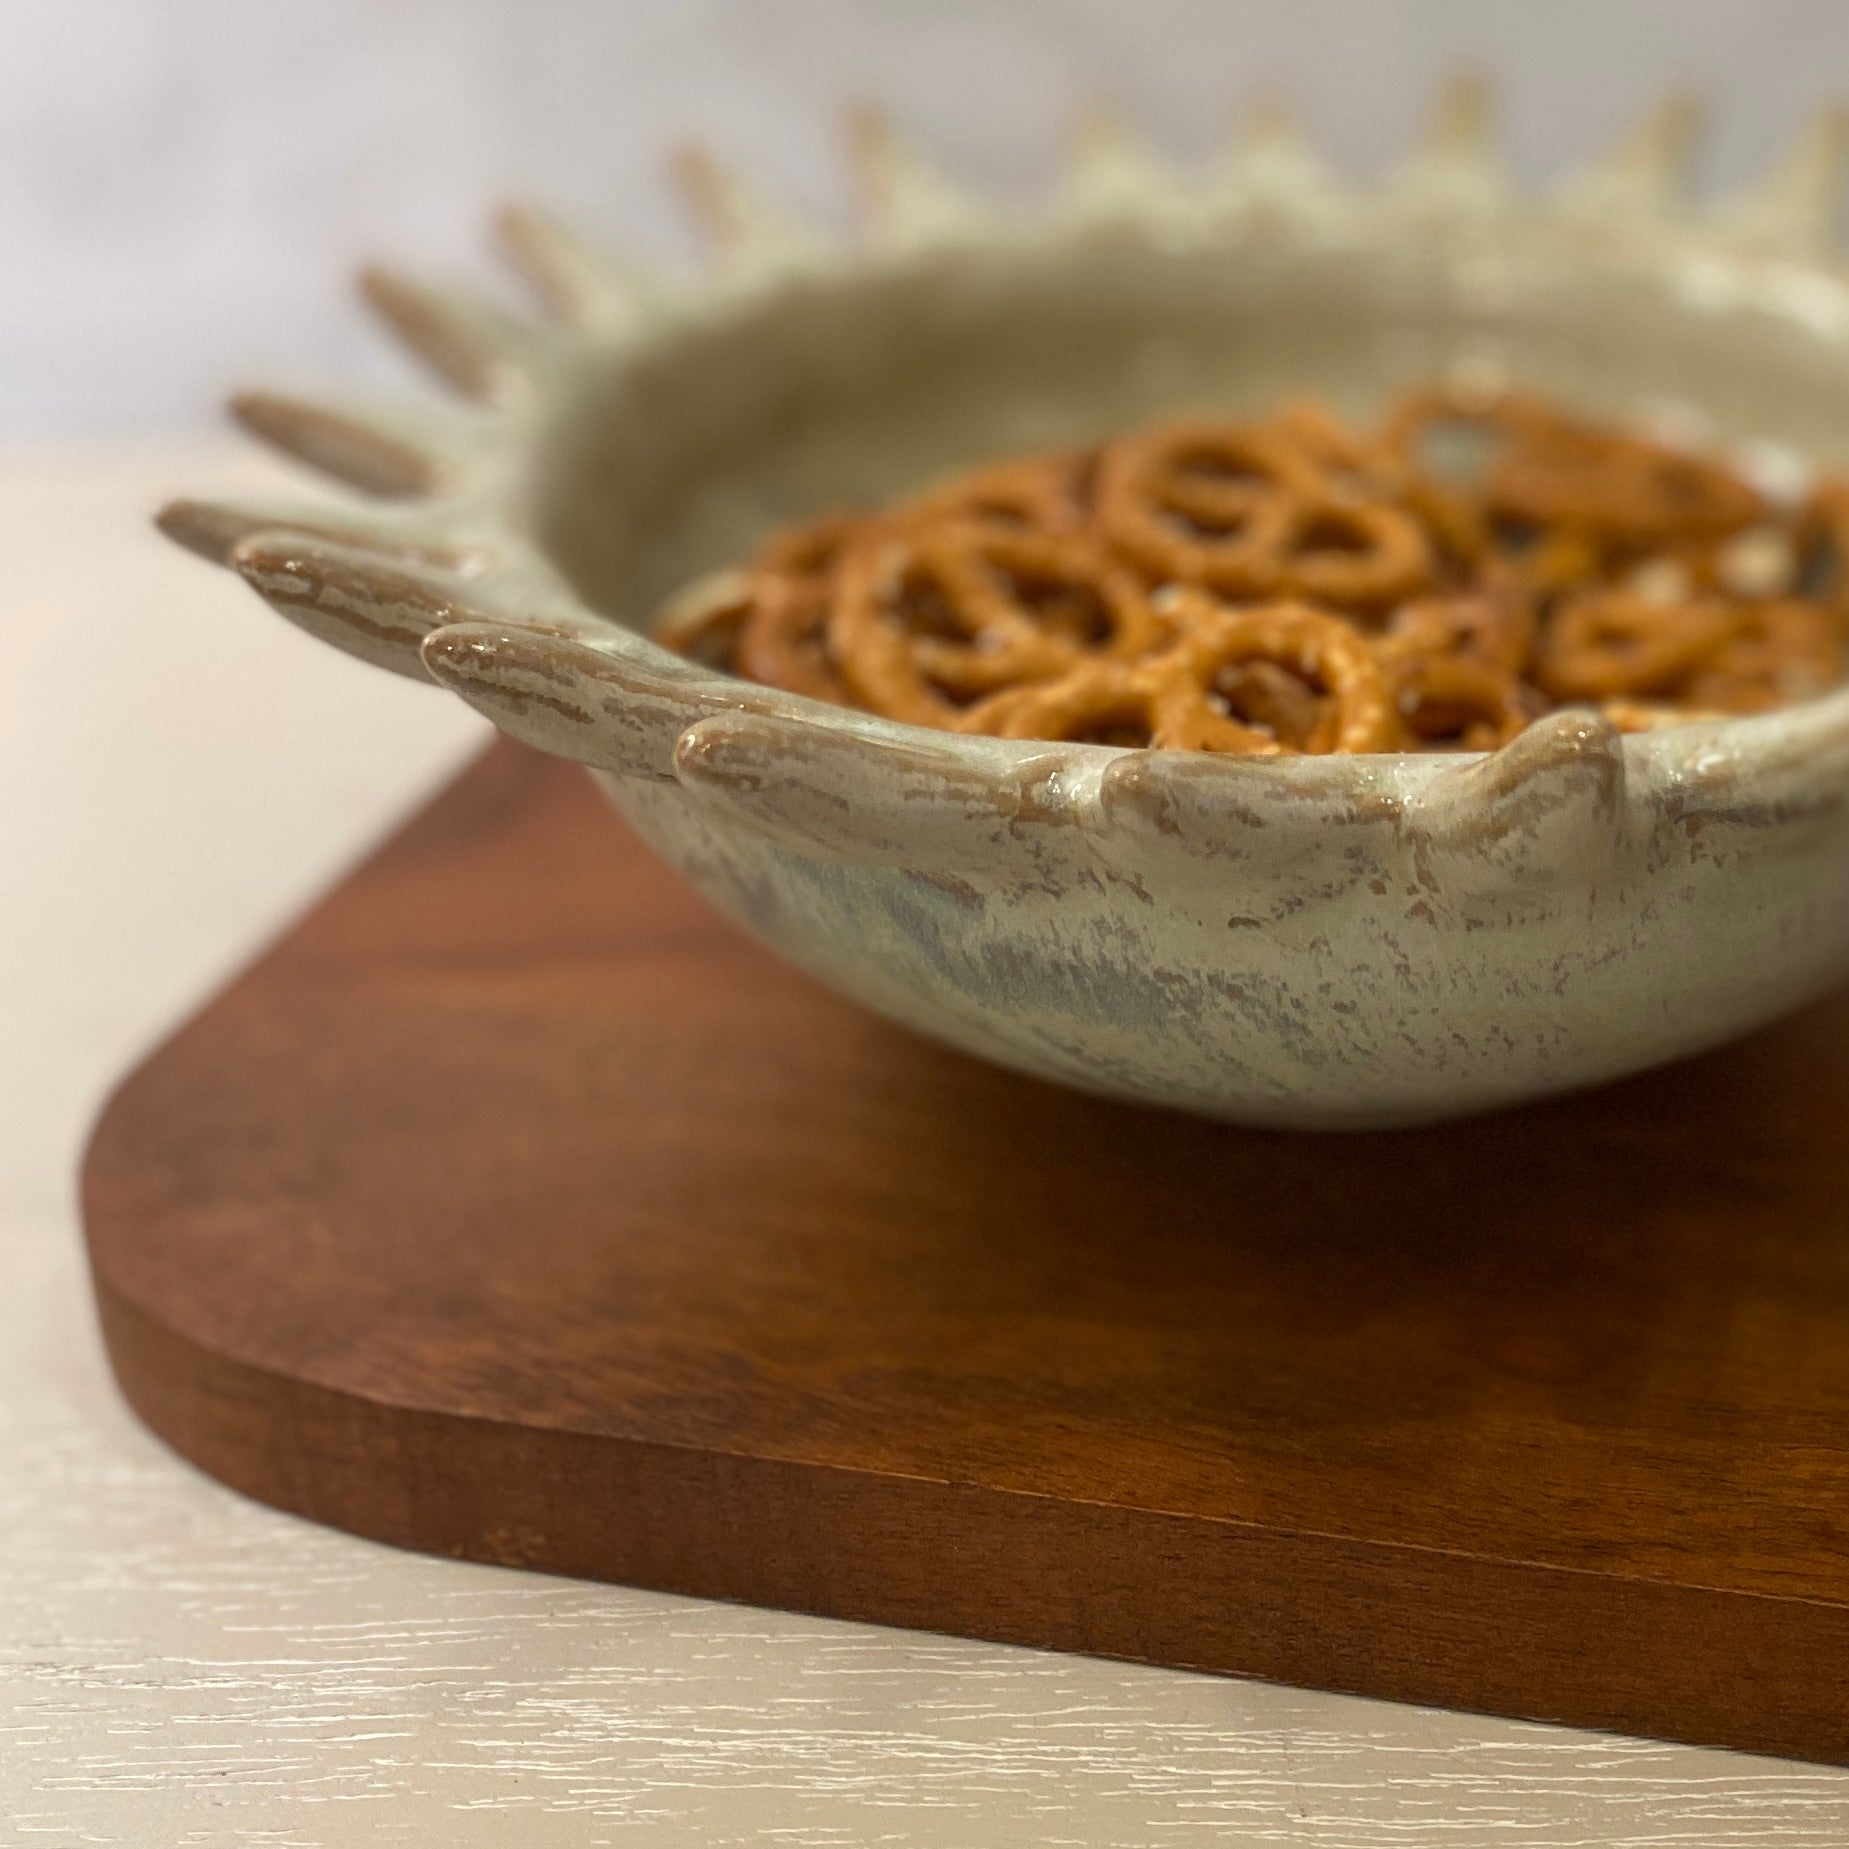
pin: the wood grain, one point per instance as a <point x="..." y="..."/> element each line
<point x="515" y="1207"/>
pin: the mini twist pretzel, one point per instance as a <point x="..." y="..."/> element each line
<point x="1644" y="716"/>
<point x="1537" y="468"/>
<point x="1073" y="594"/>
<point x="1468" y="437"/>
<point x="1823" y="538"/>
<point x="1096" y="702"/>
<point x="784" y="640"/>
<point x="1374" y="470"/>
<point x="1454" y="666"/>
<point x="1269" y="710"/>
<point x="1493" y="625"/>
<point x="1342" y="459"/>
<point x="1460" y="700"/>
<point x="927" y="621"/>
<point x="1048" y="493"/>
<point x="812" y="548"/>
<point x="704" y="620"/>
<point x="1182" y="699"/>
<point x="1456" y="436"/>
<point x="1615" y="645"/>
<point x="769" y="627"/>
<point x="1548" y="565"/>
<point x="1354" y="554"/>
<point x="1762" y="561"/>
<point x="1322" y="651"/>
<point x="1255" y="511"/>
<point x="1272" y="699"/>
<point x="1459" y="532"/>
<point x="1777" y="652"/>
<point x="1388" y="469"/>
<point x="1618" y="489"/>
<point x="769" y="620"/>
<point x="1198" y="502"/>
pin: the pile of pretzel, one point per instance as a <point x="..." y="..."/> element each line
<point x="1289" y="584"/>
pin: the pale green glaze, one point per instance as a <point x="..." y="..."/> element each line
<point x="1332" y="942"/>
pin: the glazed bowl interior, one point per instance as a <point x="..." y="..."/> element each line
<point x="672" y="462"/>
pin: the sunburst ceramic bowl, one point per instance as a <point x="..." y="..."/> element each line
<point x="1309" y="942"/>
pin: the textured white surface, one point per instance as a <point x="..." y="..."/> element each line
<point x="179" y="1667"/>
<point x="184" y="183"/>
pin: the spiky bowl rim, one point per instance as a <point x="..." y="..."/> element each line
<point x="439" y="579"/>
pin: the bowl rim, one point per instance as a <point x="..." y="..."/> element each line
<point x="441" y="579"/>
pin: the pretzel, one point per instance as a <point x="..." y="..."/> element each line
<point x="1762" y="561"/>
<point x="1094" y="703"/>
<point x="1460" y="700"/>
<point x="769" y="620"/>
<point x="705" y="620"/>
<point x="1494" y="625"/>
<point x="1320" y="650"/>
<point x="1271" y="698"/>
<point x="784" y="640"/>
<point x="1381" y="471"/>
<point x="1775" y="653"/>
<point x="1255" y="511"/>
<point x="812" y="548"/>
<point x="1392" y="600"/>
<point x="1198" y="694"/>
<point x="1457" y="527"/>
<point x="1540" y="465"/>
<point x="1199" y="502"/>
<point x="771" y="629"/>
<point x="1479" y="426"/>
<point x="1049" y="493"/>
<point x="1541" y="470"/>
<point x="1354" y="469"/>
<point x="928" y="620"/>
<point x="1352" y="553"/>
<point x="1644" y="716"/>
<point x="1619" y="490"/>
<point x="1822" y="533"/>
<point x="1613" y="645"/>
<point x="1549" y="565"/>
<point x="1344" y="460"/>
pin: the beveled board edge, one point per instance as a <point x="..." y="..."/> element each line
<point x="1439" y="1628"/>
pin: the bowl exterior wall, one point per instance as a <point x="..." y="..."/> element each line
<point x="1333" y="984"/>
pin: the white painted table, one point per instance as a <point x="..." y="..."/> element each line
<point x="178" y="773"/>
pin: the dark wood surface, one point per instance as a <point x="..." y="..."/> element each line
<point x="516" y="1207"/>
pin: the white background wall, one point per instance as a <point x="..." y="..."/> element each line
<point x="185" y="184"/>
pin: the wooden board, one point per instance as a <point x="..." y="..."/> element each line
<point x="516" y="1207"/>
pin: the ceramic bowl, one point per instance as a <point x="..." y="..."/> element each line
<point x="1306" y="942"/>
